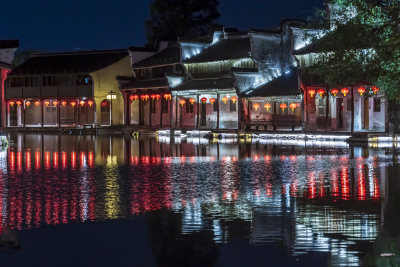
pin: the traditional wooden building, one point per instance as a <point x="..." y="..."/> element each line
<point x="147" y="95"/>
<point x="7" y="50"/>
<point x="77" y="89"/>
<point x="356" y="107"/>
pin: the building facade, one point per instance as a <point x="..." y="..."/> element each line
<point x="77" y="89"/>
<point x="147" y="95"/>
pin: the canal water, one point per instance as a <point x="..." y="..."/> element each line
<point x="123" y="201"/>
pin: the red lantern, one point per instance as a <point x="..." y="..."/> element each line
<point x="234" y="99"/>
<point x="158" y="97"/>
<point x="361" y="90"/>
<point x="204" y="100"/>
<point x="192" y="100"/>
<point x="267" y="106"/>
<point x="144" y="97"/>
<point x="345" y="91"/>
<point x="375" y="89"/>
<point x="311" y="92"/>
<point x="153" y="97"/>
<point x="167" y="96"/>
<point x="134" y="97"/>
<point x="182" y="102"/>
<point x="47" y="103"/>
<point x="19" y="103"/>
<point x="256" y="106"/>
<point x="37" y="103"/>
<point x="90" y="103"/>
<point x="321" y="92"/>
<point x="28" y="103"/>
<point x="293" y="106"/>
<point x="12" y="103"/>
<point x="73" y="103"/>
<point x="63" y="103"/>
<point x="212" y="100"/>
<point x="225" y="99"/>
<point x="82" y="103"/>
<point x="334" y="91"/>
<point x="55" y="103"/>
<point x="283" y="106"/>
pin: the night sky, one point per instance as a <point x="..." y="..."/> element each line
<point x="55" y="25"/>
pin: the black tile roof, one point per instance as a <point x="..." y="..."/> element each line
<point x="285" y="85"/>
<point x="146" y="84"/>
<point x="204" y="84"/>
<point x="225" y="49"/>
<point x="329" y="42"/>
<point x="69" y="63"/>
<point x="170" y="55"/>
<point x="9" y="44"/>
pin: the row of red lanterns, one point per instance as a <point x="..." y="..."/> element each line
<point x="211" y="100"/>
<point x="283" y="106"/>
<point x="55" y="103"/>
<point x="361" y="90"/>
<point x="146" y="97"/>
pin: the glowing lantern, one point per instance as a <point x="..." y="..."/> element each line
<point x="12" y="103"/>
<point x="225" y="99"/>
<point x="361" y="90"/>
<point x="293" y="106"/>
<point x="73" y="103"/>
<point x="311" y="92"/>
<point x="90" y="103"/>
<point x="19" y="103"/>
<point x="212" y="100"/>
<point x="158" y="97"/>
<point x="283" y="106"/>
<point x="134" y="97"/>
<point x="204" y="100"/>
<point x="345" y="91"/>
<point x="153" y="97"/>
<point x="55" y="103"/>
<point x="234" y="99"/>
<point x="334" y="91"/>
<point x="375" y="89"/>
<point x="321" y="92"/>
<point x="267" y="106"/>
<point x="256" y="106"/>
<point x="47" y="103"/>
<point x="64" y="103"/>
<point x="37" y="103"/>
<point x="82" y="103"/>
<point x="182" y="102"/>
<point x="144" y="97"/>
<point x="192" y="100"/>
<point x="28" y="103"/>
<point x="167" y="96"/>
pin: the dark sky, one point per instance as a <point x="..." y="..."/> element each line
<point x="55" y="25"/>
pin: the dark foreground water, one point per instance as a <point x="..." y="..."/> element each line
<point x="119" y="201"/>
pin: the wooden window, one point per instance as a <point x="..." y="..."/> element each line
<point x="377" y="105"/>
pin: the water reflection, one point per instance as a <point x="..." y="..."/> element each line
<point x="305" y="197"/>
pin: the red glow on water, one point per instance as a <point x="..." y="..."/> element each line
<point x="268" y="189"/>
<point x="135" y="160"/>
<point x="12" y="160"/>
<point x="294" y="188"/>
<point x="64" y="160"/>
<point x="344" y="179"/>
<point x="55" y="160"/>
<point x="47" y="160"/>
<point x="28" y="160"/>
<point x="376" y="194"/>
<point x="73" y="159"/>
<point x="82" y="157"/>
<point x="312" y="188"/>
<point x="334" y="184"/>
<point x="19" y="161"/>
<point x="321" y="190"/>
<point x="37" y="159"/>
<point x="362" y="191"/>
<point x="91" y="159"/>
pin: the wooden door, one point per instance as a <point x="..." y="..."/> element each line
<point x="105" y="110"/>
<point x="366" y="113"/>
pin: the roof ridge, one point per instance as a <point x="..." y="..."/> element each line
<point x="86" y="52"/>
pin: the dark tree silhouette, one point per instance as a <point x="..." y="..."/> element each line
<point x="170" y="19"/>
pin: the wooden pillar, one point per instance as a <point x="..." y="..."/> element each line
<point x="198" y="111"/>
<point x="42" y="115"/>
<point x="161" y="111"/>
<point x="240" y="112"/>
<point x="352" y="109"/>
<point x="218" y="110"/>
<point x="58" y="112"/>
<point x="327" y="112"/>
